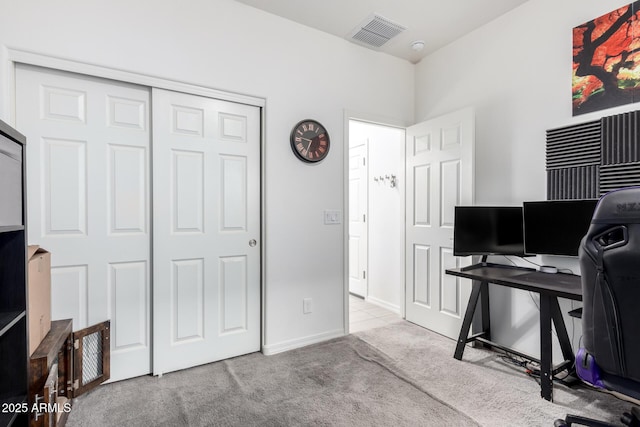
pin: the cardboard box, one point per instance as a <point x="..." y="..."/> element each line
<point x="39" y="294"/>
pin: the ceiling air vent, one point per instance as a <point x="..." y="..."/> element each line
<point x="375" y="31"/>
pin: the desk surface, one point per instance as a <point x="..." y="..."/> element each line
<point x="557" y="284"/>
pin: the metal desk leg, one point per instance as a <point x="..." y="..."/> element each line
<point x="561" y="330"/>
<point x="468" y="318"/>
<point x="546" y="356"/>
<point x="484" y="306"/>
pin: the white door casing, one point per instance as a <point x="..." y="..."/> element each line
<point x="88" y="189"/>
<point x="358" y="202"/>
<point x="206" y="198"/>
<point x="439" y="169"/>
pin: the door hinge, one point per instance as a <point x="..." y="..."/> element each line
<point x="364" y="217"/>
<point x="76" y="344"/>
<point x="364" y="274"/>
<point x="364" y="161"/>
<point x="76" y="384"/>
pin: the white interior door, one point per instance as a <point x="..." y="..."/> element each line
<point x="439" y="168"/>
<point x="206" y="167"/>
<point x="88" y="202"/>
<point x="358" y="200"/>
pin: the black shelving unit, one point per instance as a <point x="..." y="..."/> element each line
<point x="13" y="280"/>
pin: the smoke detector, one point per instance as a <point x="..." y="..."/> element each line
<point x="417" y="45"/>
<point x="375" y="31"/>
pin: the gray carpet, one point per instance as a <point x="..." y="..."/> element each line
<point x="399" y="375"/>
<point x="482" y="385"/>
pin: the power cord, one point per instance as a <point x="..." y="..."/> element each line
<point x="510" y="260"/>
<point x="535" y="303"/>
<point x="530" y="368"/>
<point x="530" y="262"/>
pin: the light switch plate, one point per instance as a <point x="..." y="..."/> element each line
<point x="332" y="217"/>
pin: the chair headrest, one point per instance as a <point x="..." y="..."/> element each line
<point x="618" y="207"/>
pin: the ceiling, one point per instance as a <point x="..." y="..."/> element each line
<point x="436" y="22"/>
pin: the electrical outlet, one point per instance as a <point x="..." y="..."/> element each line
<point x="307" y="305"/>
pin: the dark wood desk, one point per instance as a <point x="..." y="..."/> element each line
<point x="549" y="286"/>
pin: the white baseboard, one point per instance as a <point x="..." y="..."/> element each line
<point x="271" y="349"/>
<point x="383" y="304"/>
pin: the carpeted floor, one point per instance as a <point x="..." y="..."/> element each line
<point x="482" y="385"/>
<point x="398" y="375"/>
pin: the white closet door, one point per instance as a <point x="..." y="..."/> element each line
<point x="88" y="190"/>
<point x="206" y="161"/>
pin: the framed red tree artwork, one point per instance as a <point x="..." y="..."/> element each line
<point x="606" y="60"/>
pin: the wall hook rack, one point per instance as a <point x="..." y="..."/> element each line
<point x="391" y="180"/>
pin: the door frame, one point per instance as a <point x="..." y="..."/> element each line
<point x="11" y="57"/>
<point x="382" y="121"/>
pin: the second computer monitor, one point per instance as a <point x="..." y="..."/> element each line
<point x="556" y="227"/>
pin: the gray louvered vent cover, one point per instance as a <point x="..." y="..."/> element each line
<point x="376" y="30"/>
<point x="576" y="145"/>
<point x="621" y="138"/>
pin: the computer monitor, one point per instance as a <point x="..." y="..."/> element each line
<point x="488" y="230"/>
<point x="556" y="227"/>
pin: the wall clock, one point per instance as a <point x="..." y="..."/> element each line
<point x="309" y="141"/>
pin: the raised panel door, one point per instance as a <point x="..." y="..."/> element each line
<point x="206" y="156"/>
<point x="89" y="194"/>
<point x="439" y="164"/>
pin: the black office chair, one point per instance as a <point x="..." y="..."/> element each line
<point x="610" y="267"/>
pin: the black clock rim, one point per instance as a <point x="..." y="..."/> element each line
<point x="293" y="145"/>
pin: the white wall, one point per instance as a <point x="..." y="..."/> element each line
<point x="302" y="73"/>
<point x="386" y="212"/>
<point x="516" y="72"/>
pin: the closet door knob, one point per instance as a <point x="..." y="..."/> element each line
<point x="252" y="242"/>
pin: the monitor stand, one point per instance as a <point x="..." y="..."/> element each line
<point x="483" y="263"/>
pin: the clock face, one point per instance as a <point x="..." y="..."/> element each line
<point x="310" y="141"/>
